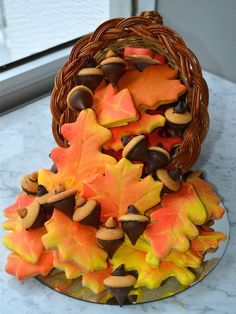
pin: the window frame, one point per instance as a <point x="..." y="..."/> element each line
<point x="33" y="76"/>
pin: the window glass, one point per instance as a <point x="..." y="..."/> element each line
<point x="31" y="26"/>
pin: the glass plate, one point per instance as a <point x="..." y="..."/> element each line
<point x="57" y="281"/>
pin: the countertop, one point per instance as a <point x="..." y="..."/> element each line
<point x="25" y="142"/>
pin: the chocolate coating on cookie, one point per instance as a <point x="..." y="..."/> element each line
<point x="87" y="212"/>
<point x="178" y="117"/>
<point x="136" y="149"/>
<point x="133" y="223"/>
<point x="120" y="283"/>
<point x="34" y="215"/>
<point x="158" y="158"/>
<point x="113" y="68"/>
<point x="90" y="77"/>
<point x="110" y="237"/>
<point x="63" y="201"/>
<point x="79" y="98"/>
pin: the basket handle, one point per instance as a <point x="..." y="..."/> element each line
<point x="154" y="16"/>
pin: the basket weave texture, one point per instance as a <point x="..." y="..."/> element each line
<point x="139" y="31"/>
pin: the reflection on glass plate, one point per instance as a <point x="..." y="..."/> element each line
<point x="73" y="288"/>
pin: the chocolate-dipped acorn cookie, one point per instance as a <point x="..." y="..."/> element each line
<point x="110" y="237"/>
<point x="79" y="98"/>
<point x="34" y="215"/>
<point x="178" y="118"/>
<point x="63" y="200"/>
<point x="170" y="179"/>
<point x="90" y="77"/>
<point x="113" y="68"/>
<point x="29" y="183"/>
<point x="133" y="223"/>
<point x="135" y="148"/>
<point x="120" y="283"/>
<point x="87" y="212"/>
<point x="158" y="158"/>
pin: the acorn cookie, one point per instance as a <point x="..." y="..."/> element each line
<point x="29" y="183"/>
<point x="110" y="237"/>
<point x="133" y="223"/>
<point x="87" y="212"/>
<point x="79" y="98"/>
<point x="120" y="283"/>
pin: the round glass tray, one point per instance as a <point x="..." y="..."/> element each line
<point x="57" y="281"/>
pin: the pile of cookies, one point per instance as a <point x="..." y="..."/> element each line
<point x="111" y="213"/>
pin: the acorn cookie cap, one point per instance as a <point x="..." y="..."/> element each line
<point x="133" y="223"/>
<point x="119" y="284"/>
<point x="87" y="212"/>
<point x="90" y="77"/>
<point x="135" y="149"/>
<point x="110" y="237"/>
<point x="34" y="215"/>
<point x="170" y="179"/>
<point x="158" y="158"/>
<point x="29" y="183"/>
<point x="79" y="98"/>
<point x="113" y="68"/>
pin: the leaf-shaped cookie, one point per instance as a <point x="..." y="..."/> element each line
<point x="134" y="259"/>
<point x="14" y="221"/>
<point x="94" y="280"/>
<point x="174" y="225"/>
<point x="167" y="142"/>
<point x="74" y="242"/>
<point x="27" y="244"/>
<point x="121" y="186"/>
<point x="207" y="241"/>
<point x="71" y="270"/>
<point x="23" y="270"/>
<point x="208" y="197"/>
<point x="83" y="159"/>
<point x="114" y="108"/>
<point x="145" y="125"/>
<point x="57" y="280"/>
<point x="186" y="259"/>
<point x="156" y="85"/>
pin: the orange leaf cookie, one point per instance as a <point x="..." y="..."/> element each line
<point x="83" y="159"/>
<point x="74" y="242"/>
<point x="208" y="197"/>
<point x="14" y="221"/>
<point x="156" y="85"/>
<point x="145" y="124"/>
<point x="27" y="244"/>
<point x="114" y="108"/>
<point x="174" y="225"/>
<point x="207" y="241"/>
<point x="71" y="270"/>
<point x="121" y="186"/>
<point x="167" y="142"/>
<point x="23" y="270"/>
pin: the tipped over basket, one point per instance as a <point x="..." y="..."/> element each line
<point x="144" y="31"/>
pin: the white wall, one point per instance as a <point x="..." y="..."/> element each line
<point x="209" y="28"/>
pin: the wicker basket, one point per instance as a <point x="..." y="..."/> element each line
<point x="144" y="31"/>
